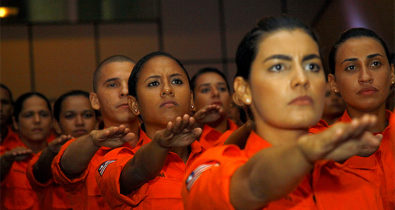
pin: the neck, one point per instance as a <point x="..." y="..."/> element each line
<point x="35" y="146"/>
<point x="382" y="120"/>
<point x="278" y="136"/>
<point x="220" y="125"/>
<point x="151" y="129"/>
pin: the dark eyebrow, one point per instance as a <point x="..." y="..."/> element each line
<point x="311" y="56"/>
<point x="349" y="59"/>
<point x="152" y="77"/>
<point x="374" y="55"/>
<point x="176" y="74"/>
<point x="282" y="57"/>
<point x="112" y="79"/>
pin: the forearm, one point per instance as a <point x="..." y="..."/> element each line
<point x="42" y="168"/>
<point x="5" y="165"/>
<point x="270" y="174"/>
<point x="144" y="166"/>
<point x="77" y="156"/>
<point x="239" y="136"/>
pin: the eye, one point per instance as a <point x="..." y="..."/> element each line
<point x="27" y="114"/>
<point x="177" y="82"/>
<point x="5" y="102"/>
<point x="375" y="64"/>
<point x="313" y="67"/>
<point x="277" y="68"/>
<point x="350" y="68"/>
<point x="223" y="89"/>
<point x="69" y="115"/>
<point x="112" y="84"/>
<point x="87" y="115"/>
<point x="205" y="90"/>
<point x="153" y="84"/>
<point x="327" y="93"/>
<point x="44" y="114"/>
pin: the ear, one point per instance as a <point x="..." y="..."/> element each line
<point x="14" y="123"/>
<point x="94" y="101"/>
<point x="242" y="95"/>
<point x="133" y="105"/>
<point x="332" y="83"/>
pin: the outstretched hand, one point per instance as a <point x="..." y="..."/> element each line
<point x="19" y="153"/>
<point x="113" y="137"/>
<point x="342" y="141"/>
<point x="178" y="133"/>
<point x="208" y="114"/>
<point x="55" y="145"/>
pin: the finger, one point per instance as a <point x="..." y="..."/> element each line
<point x="197" y="132"/>
<point x="177" y="125"/>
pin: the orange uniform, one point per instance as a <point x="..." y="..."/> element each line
<point x="50" y="194"/>
<point x="360" y="178"/>
<point x="163" y="192"/>
<point x="212" y="138"/>
<point x="83" y="190"/>
<point x="16" y="191"/>
<point x="208" y="180"/>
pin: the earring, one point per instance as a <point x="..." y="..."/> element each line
<point x="248" y="100"/>
<point x="192" y="107"/>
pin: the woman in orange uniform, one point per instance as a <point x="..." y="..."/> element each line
<point x="210" y="87"/>
<point x="362" y="73"/>
<point x="151" y="177"/>
<point x="33" y="121"/>
<point x="280" y="77"/>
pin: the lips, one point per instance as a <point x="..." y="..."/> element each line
<point x="219" y="103"/>
<point x="79" y="132"/>
<point x="124" y="105"/>
<point x="367" y="91"/>
<point x="301" y="101"/>
<point x="168" y="104"/>
<point x="36" y="130"/>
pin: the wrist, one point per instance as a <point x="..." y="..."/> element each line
<point x="92" y="139"/>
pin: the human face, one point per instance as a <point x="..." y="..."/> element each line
<point x="35" y="120"/>
<point x="111" y="95"/>
<point x="287" y="81"/>
<point x="334" y="103"/>
<point x="163" y="91"/>
<point x="211" y="89"/>
<point x="362" y="74"/>
<point x="5" y="107"/>
<point x="77" y="117"/>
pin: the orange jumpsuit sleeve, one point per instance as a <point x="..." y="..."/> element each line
<point x="58" y="174"/>
<point x="107" y="177"/>
<point x="208" y="178"/>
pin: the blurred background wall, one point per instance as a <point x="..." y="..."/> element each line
<point x="54" y="46"/>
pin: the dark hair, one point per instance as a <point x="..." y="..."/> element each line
<point x="208" y="70"/>
<point x="58" y="103"/>
<point x="247" y="50"/>
<point x="21" y="100"/>
<point x="132" y="82"/>
<point x="111" y="59"/>
<point x="354" y="33"/>
<point x="8" y="91"/>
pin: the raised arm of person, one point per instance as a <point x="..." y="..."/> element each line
<point x="6" y="160"/>
<point x="274" y="172"/>
<point x="149" y="159"/>
<point x="208" y="114"/>
<point x="86" y="146"/>
<point x="239" y="137"/>
<point x="42" y="168"/>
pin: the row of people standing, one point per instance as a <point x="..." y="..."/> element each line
<point x="149" y="119"/>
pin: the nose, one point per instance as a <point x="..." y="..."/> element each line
<point x="299" y="78"/>
<point x="167" y="90"/>
<point x="124" y="89"/>
<point x="37" y="118"/>
<point x="79" y="121"/>
<point x="365" y="76"/>
<point x="214" y="91"/>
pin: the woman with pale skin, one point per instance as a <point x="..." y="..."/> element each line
<point x="210" y="87"/>
<point x="362" y="73"/>
<point x="280" y="77"/>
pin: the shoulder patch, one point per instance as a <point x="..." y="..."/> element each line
<point x="195" y="174"/>
<point x="103" y="166"/>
